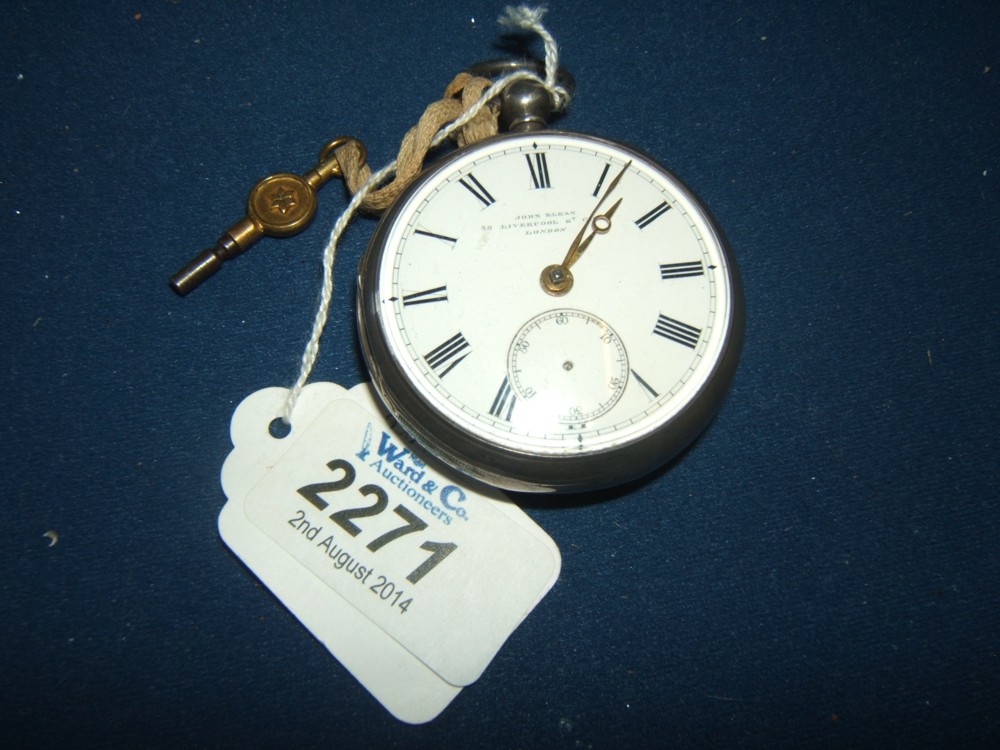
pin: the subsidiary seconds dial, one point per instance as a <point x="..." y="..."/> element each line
<point x="568" y="361"/>
<point x="550" y="311"/>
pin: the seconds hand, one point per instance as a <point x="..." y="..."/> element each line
<point x="557" y="279"/>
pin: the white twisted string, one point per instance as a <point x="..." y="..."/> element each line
<point x="530" y="19"/>
<point x="520" y="17"/>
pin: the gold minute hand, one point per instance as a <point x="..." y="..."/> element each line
<point x="574" y="250"/>
<point x="558" y="280"/>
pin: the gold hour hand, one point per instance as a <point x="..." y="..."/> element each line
<point x="557" y="280"/>
<point x="601" y="224"/>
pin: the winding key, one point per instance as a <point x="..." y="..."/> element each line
<point x="279" y="206"/>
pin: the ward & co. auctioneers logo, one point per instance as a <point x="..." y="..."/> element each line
<point x="408" y="473"/>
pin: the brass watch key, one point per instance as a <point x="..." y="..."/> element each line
<point x="279" y="206"/>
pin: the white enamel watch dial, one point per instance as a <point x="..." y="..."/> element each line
<point x="550" y="311"/>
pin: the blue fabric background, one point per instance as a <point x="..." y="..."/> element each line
<point x="821" y="569"/>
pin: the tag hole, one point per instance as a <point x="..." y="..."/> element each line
<point x="278" y="428"/>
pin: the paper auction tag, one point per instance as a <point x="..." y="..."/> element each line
<point x="411" y="578"/>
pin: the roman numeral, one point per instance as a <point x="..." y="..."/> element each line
<point x="437" y="294"/>
<point x="645" y="386"/>
<point x="600" y="180"/>
<point x="648" y="218"/>
<point x="443" y="359"/>
<point x="674" y="330"/>
<point x="539" y="171"/>
<point x="503" y="404"/>
<point x="681" y="270"/>
<point x="476" y="188"/>
<point x="436" y="236"/>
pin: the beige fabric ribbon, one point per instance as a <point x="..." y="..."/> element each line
<point x="460" y="95"/>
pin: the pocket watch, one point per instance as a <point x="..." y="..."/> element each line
<point x="550" y="311"/>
